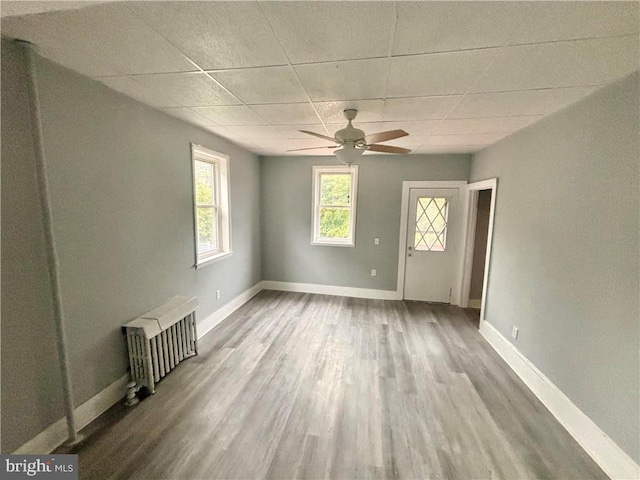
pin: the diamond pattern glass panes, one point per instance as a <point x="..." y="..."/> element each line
<point x="431" y="224"/>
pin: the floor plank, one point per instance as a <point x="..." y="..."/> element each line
<point x="298" y="385"/>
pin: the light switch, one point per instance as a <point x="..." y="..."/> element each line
<point x="376" y="241"/>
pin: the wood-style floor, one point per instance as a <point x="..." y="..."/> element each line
<point x="310" y="386"/>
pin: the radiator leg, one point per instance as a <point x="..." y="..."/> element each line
<point x="132" y="388"/>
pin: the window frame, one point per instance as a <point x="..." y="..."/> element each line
<point x="220" y="203"/>
<point x="318" y="171"/>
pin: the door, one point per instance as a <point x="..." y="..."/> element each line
<point x="430" y="253"/>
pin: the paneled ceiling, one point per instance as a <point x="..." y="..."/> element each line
<point x="457" y="76"/>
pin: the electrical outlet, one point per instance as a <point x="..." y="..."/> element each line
<point x="373" y="272"/>
<point x="218" y="294"/>
<point x="514" y="333"/>
<point x="376" y="241"/>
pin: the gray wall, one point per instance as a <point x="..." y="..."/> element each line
<point x="480" y="244"/>
<point x="120" y="178"/>
<point x="286" y="191"/>
<point x="565" y="263"/>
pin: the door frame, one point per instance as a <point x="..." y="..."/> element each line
<point x="459" y="235"/>
<point x="472" y="216"/>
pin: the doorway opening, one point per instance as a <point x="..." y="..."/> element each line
<point x="478" y="252"/>
<point x="483" y="208"/>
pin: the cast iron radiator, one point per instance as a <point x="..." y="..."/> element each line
<point x="160" y="339"/>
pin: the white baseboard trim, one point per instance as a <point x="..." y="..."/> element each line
<point x="206" y="325"/>
<point x="474" y="303"/>
<point x="604" y="451"/>
<point x="331" y="290"/>
<point x="55" y="435"/>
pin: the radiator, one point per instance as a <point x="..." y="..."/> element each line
<point x="160" y="339"/>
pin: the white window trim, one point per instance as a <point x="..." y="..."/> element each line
<point x="315" y="206"/>
<point x="222" y="179"/>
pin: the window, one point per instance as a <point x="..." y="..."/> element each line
<point x="431" y="224"/>
<point x="334" y="205"/>
<point x="211" y="204"/>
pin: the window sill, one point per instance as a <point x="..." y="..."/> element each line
<point x="212" y="259"/>
<point x="332" y="244"/>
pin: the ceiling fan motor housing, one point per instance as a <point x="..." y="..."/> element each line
<point x="350" y="134"/>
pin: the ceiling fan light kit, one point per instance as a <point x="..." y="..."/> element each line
<point x="354" y="141"/>
<point x="349" y="154"/>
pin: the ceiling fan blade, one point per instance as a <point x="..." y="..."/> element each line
<point x="387" y="149"/>
<point x="313" y="148"/>
<point x="384" y="136"/>
<point x="320" y="136"/>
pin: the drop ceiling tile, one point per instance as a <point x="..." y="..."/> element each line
<point x="523" y="67"/>
<point x="437" y="73"/>
<point x="328" y="31"/>
<point x="424" y="127"/>
<point x="480" y="139"/>
<point x="345" y="80"/>
<point x="255" y="132"/>
<point x="418" y="108"/>
<point x="470" y="126"/>
<point x="410" y="141"/>
<point x="215" y="35"/>
<point x="231" y="115"/>
<point x="98" y="41"/>
<point x="333" y="112"/>
<point x="129" y="86"/>
<point x="263" y="84"/>
<point x="287" y="114"/>
<point x="529" y="102"/>
<point x="187" y="89"/>
<point x="599" y="61"/>
<point x="425" y="27"/>
<point x="571" y="63"/>
<point x="552" y="21"/>
<point x="293" y="131"/>
<point x="12" y="8"/>
<point x="188" y="115"/>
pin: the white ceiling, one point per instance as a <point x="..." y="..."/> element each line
<point x="456" y="75"/>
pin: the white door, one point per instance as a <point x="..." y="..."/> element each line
<point x="430" y="253"/>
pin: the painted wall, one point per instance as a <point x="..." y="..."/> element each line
<point x="565" y="263"/>
<point x="121" y="188"/>
<point x="286" y="201"/>
<point x="480" y="244"/>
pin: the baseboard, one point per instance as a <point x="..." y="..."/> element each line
<point x="331" y="290"/>
<point x="474" y="303"/>
<point x="56" y="434"/>
<point x="206" y="325"/>
<point x="604" y="451"/>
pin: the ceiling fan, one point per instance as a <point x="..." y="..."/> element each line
<point x="354" y="142"/>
